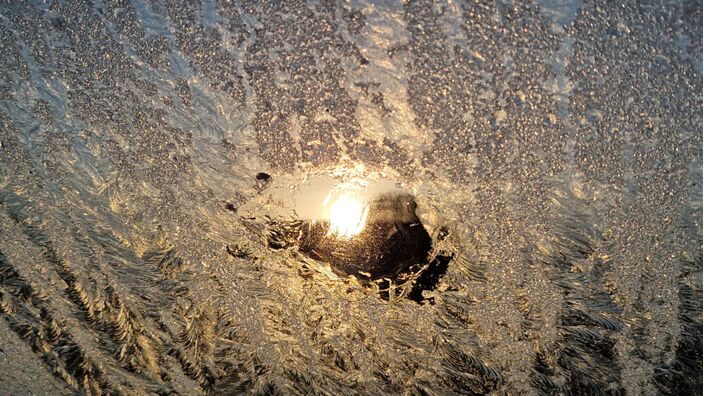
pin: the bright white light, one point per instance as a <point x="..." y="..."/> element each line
<point x="347" y="214"/>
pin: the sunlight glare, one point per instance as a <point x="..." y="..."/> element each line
<point x="348" y="215"/>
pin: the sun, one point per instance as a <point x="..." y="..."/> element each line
<point x="347" y="214"/>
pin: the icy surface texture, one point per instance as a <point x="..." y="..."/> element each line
<point x="557" y="142"/>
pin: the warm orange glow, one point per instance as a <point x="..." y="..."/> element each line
<point x="347" y="214"/>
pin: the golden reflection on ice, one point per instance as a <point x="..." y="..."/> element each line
<point x="347" y="213"/>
